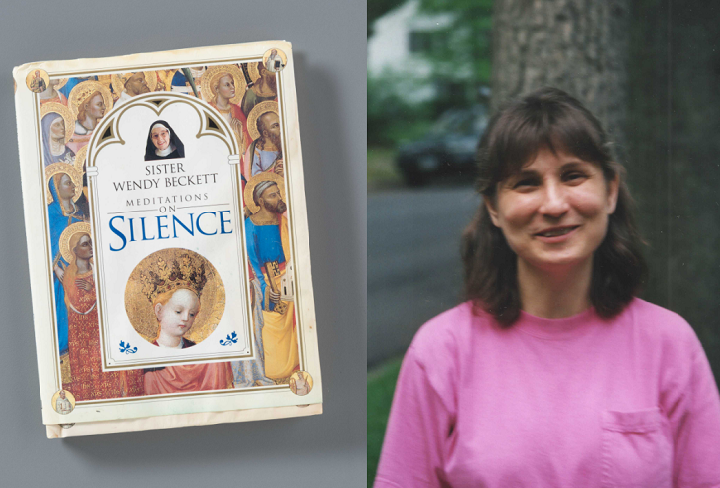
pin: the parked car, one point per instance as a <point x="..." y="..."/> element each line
<point x="448" y="147"/>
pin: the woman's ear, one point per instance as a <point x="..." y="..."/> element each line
<point x="158" y="310"/>
<point x="487" y="201"/>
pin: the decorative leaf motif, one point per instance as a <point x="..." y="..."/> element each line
<point x="127" y="348"/>
<point x="230" y="339"/>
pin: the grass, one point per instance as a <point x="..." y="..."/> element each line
<point x="381" y="169"/>
<point x="380" y="389"/>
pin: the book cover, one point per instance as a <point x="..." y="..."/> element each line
<point x="168" y="241"/>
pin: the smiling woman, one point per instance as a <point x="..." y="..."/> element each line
<point x="553" y="373"/>
<point x="163" y="142"/>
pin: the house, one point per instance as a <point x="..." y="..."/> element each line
<point x="399" y="47"/>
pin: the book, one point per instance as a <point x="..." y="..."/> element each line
<point x="167" y="239"/>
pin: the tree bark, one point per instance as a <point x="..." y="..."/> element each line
<point x="580" y="46"/>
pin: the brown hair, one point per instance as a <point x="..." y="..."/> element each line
<point x="547" y="118"/>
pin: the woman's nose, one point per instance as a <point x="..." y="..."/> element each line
<point x="554" y="200"/>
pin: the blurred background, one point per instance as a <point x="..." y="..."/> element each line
<point x="650" y="69"/>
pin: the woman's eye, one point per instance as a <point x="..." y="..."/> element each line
<point x="524" y="183"/>
<point x="574" y="176"/>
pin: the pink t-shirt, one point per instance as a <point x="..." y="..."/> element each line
<point x="575" y="402"/>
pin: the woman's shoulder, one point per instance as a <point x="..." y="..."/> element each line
<point x="657" y="324"/>
<point x="449" y="331"/>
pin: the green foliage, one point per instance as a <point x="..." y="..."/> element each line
<point x="380" y="391"/>
<point x="460" y="57"/>
<point x="390" y="119"/>
<point x="468" y="42"/>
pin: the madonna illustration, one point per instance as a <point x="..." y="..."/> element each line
<point x="175" y="299"/>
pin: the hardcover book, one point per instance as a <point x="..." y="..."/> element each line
<point x="167" y="239"/>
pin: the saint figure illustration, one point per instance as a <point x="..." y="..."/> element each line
<point x="274" y="62"/>
<point x="265" y="152"/>
<point x="89" y="381"/>
<point x="268" y="246"/>
<point x="89" y="101"/>
<point x="262" y="89"/>
<point x="62" y="404"/>
<point x="54" y="134"/>
<point x="63" y="181"/>
<point x="130" y="85"/>
<point x="37" y="84"/>
<point x="51" y="93"/>
<point x="223" y="88"/>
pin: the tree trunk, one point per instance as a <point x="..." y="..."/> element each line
<point x="580" y="46"/>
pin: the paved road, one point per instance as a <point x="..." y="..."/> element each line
<point x="414" y="269"/>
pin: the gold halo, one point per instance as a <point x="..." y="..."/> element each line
<point x="63" y="82"/>
<point x="207" y="87"/>
<point x="253" y="71"/>
<point x="258" y="110"/>
<point x="282" y="54"/>
<point x="118" y="85"/>
<point x="68" y="396"/>
<point x="71" y="230"/>
<point x="31" y="75"/>
<point x="140" y="311"/>
<point x="80" y="159"/>
<point x="82" y="90"/>
<point x="250" y="187"/>
<point x="76" y="177"/>
<point x="64" y="112"/>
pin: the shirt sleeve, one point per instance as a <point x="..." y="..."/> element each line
<point x="420" y="424"/>
<point x="695" y="419"/>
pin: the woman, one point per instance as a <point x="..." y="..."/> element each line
<point x="175" y="311"/>
<point x="553" y="373"/>
<point x="163" y="143"/>
<point x="89" y="382"/>
<point x="62" y="180"/>
<point x="53" y="137"/>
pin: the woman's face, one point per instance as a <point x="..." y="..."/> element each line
<point x="226" y="87"/>
<point x="66" y="187"/>
<point x="95" y="108"/>
<point x="84" y="249"/>
<point x="57" y="128"/>
<point x="160" y="137"/>
<point x="554" y="212"/>
<point x="178" y="314"/>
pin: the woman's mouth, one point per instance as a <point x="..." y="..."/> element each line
<point x="556" y="234"/>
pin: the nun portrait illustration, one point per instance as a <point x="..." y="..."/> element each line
<point x="163" y="143"/>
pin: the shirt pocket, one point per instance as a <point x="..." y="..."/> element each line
<point x="636" y="449"/>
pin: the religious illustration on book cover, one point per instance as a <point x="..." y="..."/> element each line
<point x="194" y="286"/>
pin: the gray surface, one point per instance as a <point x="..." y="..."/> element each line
<point x="328" y="37"/>
<point x="414" y="267"/>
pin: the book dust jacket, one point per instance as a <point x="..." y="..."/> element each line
<point x="167" y="238"/>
